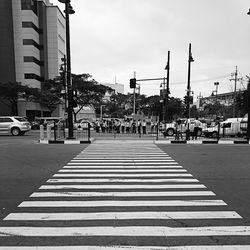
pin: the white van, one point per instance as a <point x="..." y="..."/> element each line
<point x="243" y="125"/>
<point x="229" y="127"/>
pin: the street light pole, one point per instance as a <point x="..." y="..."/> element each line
<point x="248" y="103"/>
<point x="167" y="89"/>
<point x="68" y="10"/>
<point x="190" y="59"/>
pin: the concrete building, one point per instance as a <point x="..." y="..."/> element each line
<point x="32" y="43"/>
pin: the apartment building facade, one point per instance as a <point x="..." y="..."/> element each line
<point x="31" y="47"/>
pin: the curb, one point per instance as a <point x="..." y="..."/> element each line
<point x="65" y="142"/>
<point x="201" y="142"/>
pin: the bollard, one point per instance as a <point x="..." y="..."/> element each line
<point x="41" y="132"/>
<point x="48" y="132"/>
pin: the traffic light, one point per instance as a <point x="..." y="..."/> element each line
<point x="185" y="99"/>
<point x="132" y="83"/>
<point x="74" y="99"/>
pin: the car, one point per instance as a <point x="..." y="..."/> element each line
<point x="47" y="121"/>
<point x="16" y="125"/>
<point x="170" y="127"/>
<point x="83" y="124"/>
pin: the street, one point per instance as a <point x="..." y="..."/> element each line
<point x="123" y="193"/>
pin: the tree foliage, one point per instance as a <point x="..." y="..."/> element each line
<point x="10" y="92"/>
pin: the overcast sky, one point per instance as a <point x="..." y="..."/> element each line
<point x="113" y="38"/>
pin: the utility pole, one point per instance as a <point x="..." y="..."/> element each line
<point x="134" y="95"/>
<point x="167" y="90"/>
<point x="235" y="79"/>
<point x="248" y="107"/>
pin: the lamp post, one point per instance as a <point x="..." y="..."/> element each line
<point x="190" y="59"/>
<point x="248" y="103"/>
<point x="167" y="89"/>
<point x="69" y="10"/>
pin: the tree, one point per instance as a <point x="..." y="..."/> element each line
<point x="89" y="91"/>
<point x="10" y="92"/>
<point x="50" y="94"/>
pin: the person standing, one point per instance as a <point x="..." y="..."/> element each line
<point x="144" y="124"/>
<point x="197" y="125"/>
<point x="178" y="130"/>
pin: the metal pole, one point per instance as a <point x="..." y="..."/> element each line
<point x="248" y="109"/>
<point x="69" y="83"/>
<point x="168" y="68"/>
<point x="234" y="99"/>
<point x="134" y="96"/>
<point x="188" y="83"/>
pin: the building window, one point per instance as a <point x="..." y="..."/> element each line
<point x="32" y="42"/>
<point x="33" y="26"/>
<point x="29" y="5"/>
<point x="32" y="59"/>
<point x="33" y="76"/>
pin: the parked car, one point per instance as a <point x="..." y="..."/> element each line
<point x="170" y="127"/>
<point x="16" y="125"/>
<point x="229" y="127"/>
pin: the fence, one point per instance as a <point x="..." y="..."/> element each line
<point x="57" y="132"/>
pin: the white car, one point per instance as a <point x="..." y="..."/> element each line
<point x="16" y="125"/>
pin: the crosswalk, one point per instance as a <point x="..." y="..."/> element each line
<point x="123" y="195"/>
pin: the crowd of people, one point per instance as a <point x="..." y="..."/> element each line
<point x="129" y="126"/>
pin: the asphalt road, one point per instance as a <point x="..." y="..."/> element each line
<point x="224" y="169"/>
<point x="25" y="165"/>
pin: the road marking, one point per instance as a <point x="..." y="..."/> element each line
<point x="125" y="231"/>
<point x="121" y="203"/>
<point x="122" y="170"/>
<point x="123" y="164"/>
<point x="124" y="167"/>
<point x="121" y="194"/>
<point x="124" y="160"/>
<point x="122" y="175"/>
<point x="120" y="247"/>
<point x="125" y="216"/>
<point x="166" y="186"/>
<point x="171" y="180"/>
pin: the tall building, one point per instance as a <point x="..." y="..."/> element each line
<point x="32" y="43"/>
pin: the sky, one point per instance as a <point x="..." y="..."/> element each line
<point x="112" y="39"/>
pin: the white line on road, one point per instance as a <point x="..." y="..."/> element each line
<point x="122" y="175"/>
<point x="125" y="216"/>
<point x="121" y="203"/>
<point x="121" y="194"/>
<point x="125" y="231"/>
<point x="122" y="170"/>
<point x="124" y="167"/>
<point x="171" y="186"/>
<point x="79" y="180"/>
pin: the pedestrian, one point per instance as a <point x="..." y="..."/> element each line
<point x="152" y="126"/>
<point x="144" y="124"/>
<point x="197" y="125"/>
<point x="123" y="126"/>
<point x="133" y="124"/>
<point x="139" y="126"/>
<point x="178" y="130"/>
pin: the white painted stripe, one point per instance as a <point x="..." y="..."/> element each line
<point x="125" y="160"/>
<point x="121" y="164"/>
<point x="128" y="157"/>
<point x="173" y="186"/>
<point x="121" y="194"/>
<point x="121" y="170"/>
<point x="123" y="167"/>
<point x="173" y="180"/>
<point x="116" y="247"/>
<point x="125" y="231"/>
<point x="125" y="216"/>
<point x="120" y="203"/>
<point x="122" y="175"/>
